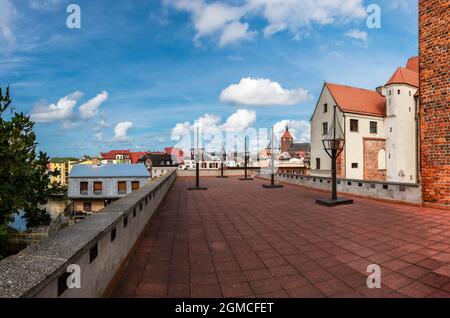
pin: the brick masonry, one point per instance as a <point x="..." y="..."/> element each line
<point x="371" y="148"/>
<point x="434" y="26"/>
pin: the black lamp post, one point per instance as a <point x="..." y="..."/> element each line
<point x="222" y="164"/>
<point x="334" y="144"/>
<point x="246" y="157"/>
<point x="195" y="155"/>
<point x="271" y="152"/>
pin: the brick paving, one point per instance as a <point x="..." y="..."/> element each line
<point x="238" y="239"/>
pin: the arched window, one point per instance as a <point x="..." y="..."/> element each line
<point x="382" y="159"/>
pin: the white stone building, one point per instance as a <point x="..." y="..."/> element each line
<point x="380" y="129"/>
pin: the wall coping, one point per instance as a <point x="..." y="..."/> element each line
<point x="24" y="274"/>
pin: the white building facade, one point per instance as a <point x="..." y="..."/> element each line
<point x="380" y="129"/>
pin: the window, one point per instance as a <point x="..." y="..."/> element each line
<point x="83" y="188"/>
<point x="354" y="165"/>
<point x="134" y="185"/>
<point x="162" y="162"/>
<point x="390" y="93"/>
<point x="325" y="108"/>
<point x="318" y="163"/>
<point x="390" y="129"/>
<point x="398" y="92"/>
<point x="409" y="93"/>
<point x="122" y="187"/>
<point x="98" y="187"/>
<point x="93" y="253"/>
<point x="87" y="206"/>
<point x="354" y="125"/>
<point x="382" y="159"/>
<point x="324" y="128"/>
<point x="373" y="127"/>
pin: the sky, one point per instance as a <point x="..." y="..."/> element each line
<point x="139" y="74"/>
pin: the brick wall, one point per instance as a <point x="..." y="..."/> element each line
<point x="371" y="147"/>
<point x="434" y="26"/>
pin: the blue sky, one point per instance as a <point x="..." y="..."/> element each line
<point x="136" y="69"/>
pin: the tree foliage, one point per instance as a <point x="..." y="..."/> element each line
<point x="24" y="179"/>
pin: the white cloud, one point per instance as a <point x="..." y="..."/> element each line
<point x="8" y="14"/>
<point x="121" y="131"/>
<point x="62" y="110"/>
<point x="240" y="120"/>
<point x="91" y="108"/>
<point x="46" y="5"/>
<point x="358" y="35"/>
<point x="98" y="136"/>
<point x="212" y="18"/>
<point x="234" y="32"/>
<point x="262" y="92"/>
<point x="299" y="129"/>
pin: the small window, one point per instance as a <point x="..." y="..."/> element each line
<point x="354" y="165"/>
<point x="409" y="93"/>
<point x="134" y="212"/>
<point x="390" y="129"/>
<point x="62" y="283"/>
<point x="83" y="188"/>
<point x="318" y="163"/>
<point x="162" y="162"/>
<point x="122" y="187"/>
<point x="98" y="187"/>
<point x="134" y="185"/>
<point x="398" y="92"/>
<point x="354" y="125"/>
<point x="325" y="108"/>
<point x="390" y="92"/>
<point x="373" y="127"/>
<point x="93" y="253"/>
<point x="125" y="221"/>
<point x="324" y="128"/>
<point x="113" y="234"/>
<point x="87" y="206"/>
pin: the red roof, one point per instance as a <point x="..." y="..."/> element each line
<point x="413" y="64"/>
<point x="112" y="154"/>
<point x="135" y="156"/>
<point x="404" y="76"/>
<point x="358" y="100"/>
<point x="287" y="134"/>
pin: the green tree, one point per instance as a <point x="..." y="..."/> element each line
<point x="24" y="179"/>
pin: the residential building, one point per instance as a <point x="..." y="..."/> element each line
<point x="121" y="156"/>
<point x="159" y="163"/>
<point x="64" y="166"/>
<point x="379" y="126"/>
<point x="92" y="187"/>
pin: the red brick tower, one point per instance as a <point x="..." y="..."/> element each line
<point x="286" y="140"/>
<point x="434" y="29"/>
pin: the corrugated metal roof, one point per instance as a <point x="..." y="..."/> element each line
<point x="109" y="170"/>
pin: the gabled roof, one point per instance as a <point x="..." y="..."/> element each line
<point x="287" y="134"/>
<point x="109" y="170"/>
<point x="413" y="64"/>
<point x="112" y="154"/>
<point x="404" y="76"/>
<point x="358" y="100"/>
<point x="135" y="156"/>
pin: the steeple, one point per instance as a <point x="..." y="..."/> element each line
<point x="286" y="140"/>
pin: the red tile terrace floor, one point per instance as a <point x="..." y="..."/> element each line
<point x="238" y="239"/>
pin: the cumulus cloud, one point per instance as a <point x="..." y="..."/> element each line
<point x="60" y="111"/>
<point x="8" y="14"/>
<point x="212" y="18"/>
<point x="63" y="110"/>
<point x="262" y="92"/>
<point x="240" y="120"/>
<point x="121" y="131"/>
<point x="91" y="108"/>
<point x="299" y="129"/>
<point x="358" y="35"/>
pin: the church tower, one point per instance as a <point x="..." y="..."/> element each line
<point x="286" y="140"/>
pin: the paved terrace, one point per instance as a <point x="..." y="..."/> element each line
<point x="240" y="240"/>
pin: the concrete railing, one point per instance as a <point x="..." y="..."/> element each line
<point x="394" y="191"/>
<point x="98" y="245"/>
<point x="234" y="172"/>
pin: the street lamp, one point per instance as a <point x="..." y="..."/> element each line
<point x="271" y="152"/>
<point x="333" y="144"/>
<point x="195" y="155"/>
<point x="246" y="157"/>
<point x="222" y="164"/>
